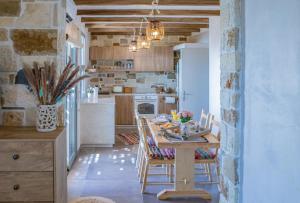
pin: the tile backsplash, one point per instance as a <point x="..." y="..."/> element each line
<point x="140" y="81"/>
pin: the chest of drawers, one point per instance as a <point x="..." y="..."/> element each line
<point x="32" y="165"/>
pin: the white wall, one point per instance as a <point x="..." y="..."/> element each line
<point x="271" y="169"/>
<point x="214" y="66"/>
<point x="201" y="37"/>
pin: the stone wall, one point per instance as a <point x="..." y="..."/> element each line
<point x="30" y="30"/>
<point x="231" y="104"/>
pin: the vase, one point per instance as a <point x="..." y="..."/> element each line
<point x="46" y="118"/>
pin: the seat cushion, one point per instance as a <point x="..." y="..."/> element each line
<point x="157" y="153"/>
<point x="202" y="154"/>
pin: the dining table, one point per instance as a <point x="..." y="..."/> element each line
<point x="184" y="183"/>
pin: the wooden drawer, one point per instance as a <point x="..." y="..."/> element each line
<point x="26" y="186"/>
<point x="26" y="156"/>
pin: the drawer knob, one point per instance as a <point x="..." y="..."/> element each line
<point x="16" y="156"/>
<point x="16" y="187"/>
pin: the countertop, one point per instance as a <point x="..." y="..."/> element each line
<point x="28" y="133"/>
<point x="133" y="94"/>
<point x="105" y="99"/>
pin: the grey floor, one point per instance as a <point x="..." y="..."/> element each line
<point x="111" y="173"/>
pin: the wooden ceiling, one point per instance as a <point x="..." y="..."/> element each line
<point x="121" y="17"/>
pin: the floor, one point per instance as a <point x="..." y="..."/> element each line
<point x="111" y="173"/>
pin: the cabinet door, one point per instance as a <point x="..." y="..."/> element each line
<point x="107" y="53"/>
<point x="93" y="53"/>
<point x="124" y="110"/>
<point x="154" y="59"/>
<point x="163" y="58"/>
<point x="121" y="53"/>
<point x="164" y="108"/>
<point x="143" y="60"/>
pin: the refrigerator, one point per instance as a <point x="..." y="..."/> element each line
<point x="192" y="69"/>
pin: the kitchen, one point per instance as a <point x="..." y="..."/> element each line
<point x="131" y="76"/>
<point x="149" y="101"/>
<point x="128" y="67"/>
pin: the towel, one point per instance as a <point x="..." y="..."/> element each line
<point x="170" y="100"/>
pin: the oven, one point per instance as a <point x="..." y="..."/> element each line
<point x="146" y="105"/>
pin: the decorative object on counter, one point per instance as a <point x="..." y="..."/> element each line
<point x="46" y="118"/>
<point x="185" y="116"/>
<point x="49" y="90"/>
<point x="155" y="29"/>
<point x="133" y="43"/>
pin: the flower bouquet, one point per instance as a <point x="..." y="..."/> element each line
<point x="50" y="89"/>
<point x="185" y="116"/>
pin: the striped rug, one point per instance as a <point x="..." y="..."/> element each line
<point x="129" y="138"/>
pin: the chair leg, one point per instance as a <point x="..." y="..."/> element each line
<point x="209" y="173"/>
<point x="170" y="173"/>
<point x="145" y="176"/>
<point x="141" y="167"/>
<point x="138" y="157"/>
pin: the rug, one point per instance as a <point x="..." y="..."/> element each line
<point x="130" y="138"/>
<point x="92" y="200"/>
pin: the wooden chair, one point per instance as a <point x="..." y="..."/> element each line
<point x="151" y="156"/>
<point x="210" y="156"/>
<point x="205" y="120"/>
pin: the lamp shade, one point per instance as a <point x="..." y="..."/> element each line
<point x="155" y="30"/>
<point x="133" y="46"/>
<point x="143" y="42"/>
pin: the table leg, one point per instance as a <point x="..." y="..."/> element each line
<point x="184" y="177"/>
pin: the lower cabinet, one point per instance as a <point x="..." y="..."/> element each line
<point x="124" y="110"/>
<point x="33" y="166"/>
<point x="163" y="107"/>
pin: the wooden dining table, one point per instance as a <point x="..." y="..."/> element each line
<point x="184" y="183"/>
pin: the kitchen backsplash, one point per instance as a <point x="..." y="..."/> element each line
<point x="140" y="81"/>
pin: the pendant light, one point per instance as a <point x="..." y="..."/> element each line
<point x="155" y="29"/>
<point x="142" y="41"/>
<point x="133" y="44"/>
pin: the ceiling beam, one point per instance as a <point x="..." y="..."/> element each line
<point x="167" y="30"/>
<point x="137" y="19"/>
<point x="137" y="25"/>
<point x="148" y="2"/>
<point x="147" y="12"/>
<point x="128" y="33"/>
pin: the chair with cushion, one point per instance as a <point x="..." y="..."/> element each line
<point x="151" y="155"/>
<point x="210" y="156"/>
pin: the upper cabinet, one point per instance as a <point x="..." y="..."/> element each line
<point x="153" y="59"/>
<point x="101" y="53"/>
<point x="121" y="53"/>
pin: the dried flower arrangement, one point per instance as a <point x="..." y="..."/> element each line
<point x="46" y="87"/>
<point x="50" y="89"/>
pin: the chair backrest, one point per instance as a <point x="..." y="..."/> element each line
<point x="216" y="129"/>
<point x="143" y="134"/>
<point x="205" y="120"/>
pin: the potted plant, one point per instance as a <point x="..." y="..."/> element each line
<point x="185" y="116"/>
<point x="50" y="89"/>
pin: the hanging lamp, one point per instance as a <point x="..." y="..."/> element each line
<point x="142" y="41"/>
<point x="133" y="43"/>
<point x="155" y="29"/>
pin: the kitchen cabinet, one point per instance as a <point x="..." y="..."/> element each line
<point x="98" y="126"/>
<point x="121" y="53"/>
<point x="101" y="53"/>
<point x="154" y="59"/>
<point x="124" y="110"/>
<point x="164" y="108"/>
<point x="158" y="58"/>
<point x="33" y="165"/>
<point x="110" y="53"/>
